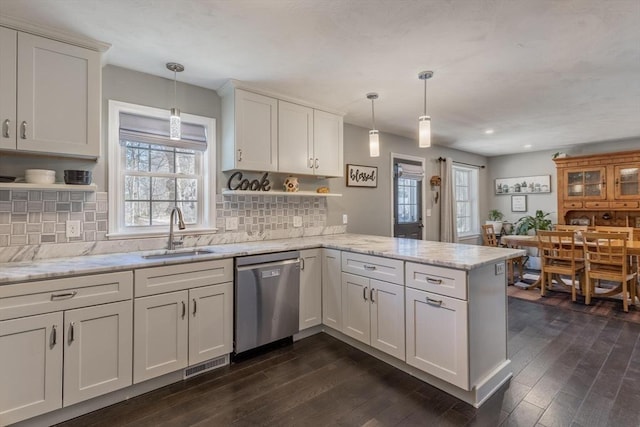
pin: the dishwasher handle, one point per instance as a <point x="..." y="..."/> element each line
<point x="268" y="264"/>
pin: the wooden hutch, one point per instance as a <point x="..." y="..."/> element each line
<point x="600" y="189"/>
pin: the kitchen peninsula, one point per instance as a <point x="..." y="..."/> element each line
<point x="375" y="291"/>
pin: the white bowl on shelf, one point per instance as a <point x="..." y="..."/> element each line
<point x="40" y="176"/>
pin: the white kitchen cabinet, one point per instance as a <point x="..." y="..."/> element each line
<point x="249" y="131"/>
<point x="31" y="367"/>
<point x="98" y="350"/>
<point x="295" y="138"/>
<point x="331" y="289"/>
<point x="56" y="93"/>
<point x="210" y="322"/>
<point x="437" y="336"/>
<point x="373" y="313"/>
<point x="328" y="150"/>
<point x="160" y="341"/>
<point x="310" y="288"/>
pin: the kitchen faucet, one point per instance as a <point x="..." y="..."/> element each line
<point x="181" y="226"/>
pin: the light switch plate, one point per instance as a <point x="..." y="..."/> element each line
<point x="297" y="221"/>
<point x="231" y="223"/>
<point x="345" y="218"/>
<point x="428" y="212"/>
<point x="73" y="228"/>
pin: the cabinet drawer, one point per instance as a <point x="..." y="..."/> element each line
<point x="596" y="204"/>
<point x="572" y="205"/>
<point x="439" y="280"/>
<point x="156" y="280"/>
<point x="389" y="270"/>
<point x="25" y="299"/>
<point x="623" y="205"/>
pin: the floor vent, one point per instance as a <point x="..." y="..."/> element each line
<point x="205" y="367"/>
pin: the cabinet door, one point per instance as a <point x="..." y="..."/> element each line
<point x="211" y="323"/>
<point x="31" y="367"/>
<point x="310" y="288"/>
<point x="588" y="184"/>
<point x="355" y="307"/>
<point x="295" y="138"/>
<point x="327" y="144"/>
<point x="331" y="289"/>
<point x="8" y="47"/>
<point x="627" y="181"/>
<point x="437" y="336"/>
<point x="58" y="97"/>
<point x="98" y="350"/>
<point x="160" y="335"/>
<point x="256" y="132"/>
<point x="387" y="317"/>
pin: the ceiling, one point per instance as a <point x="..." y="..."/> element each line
<point x="546" y="73"/>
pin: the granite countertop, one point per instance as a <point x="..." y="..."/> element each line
<point x="459" y="256"/>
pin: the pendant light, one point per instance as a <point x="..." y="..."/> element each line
<point x="374" y="140"/>
<point x="424" y="121"/>
<point x="174" y="120"/>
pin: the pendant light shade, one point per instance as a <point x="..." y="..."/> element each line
<point x="175" y="128"/>
<point x="374" y="137"/>
<point x="424" y="121"/>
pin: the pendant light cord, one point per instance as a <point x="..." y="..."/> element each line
<point x="373" y="115"/>
<point x="425" y="97"/>
<point x="175" y="77"/>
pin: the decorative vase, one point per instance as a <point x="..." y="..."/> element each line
<point x="291" y="184"/>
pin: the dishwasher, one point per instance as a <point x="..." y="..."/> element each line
<point x="267" y="299"/>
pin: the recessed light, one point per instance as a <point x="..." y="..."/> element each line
<point x="528" y="146"/>
<point x="489" y="131"/>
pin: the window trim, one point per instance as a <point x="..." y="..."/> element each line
<point x="474" y="183"/>
<point x="115" y="172"/>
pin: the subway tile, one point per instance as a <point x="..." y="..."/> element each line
<point x="18" y="228"/>
<point x="89" y="206"/>
<point x="34" y="217"/>
<point x="34" y="228"/>
<point x="48" y="227"/>
<point x="34" y="206"/>
<point x="49" y="206"/>
<point x="19" y="206"/>
<point x="4" y="240"/>
<point x="5" y="228"/>
<point x="5" y="217"/>
<point x="18" y="217"/>
<point x="89" y="236"/>
<point x="5" y="206"/>
<point x="77" y="196"/>
<point x="62" y="217"/>
<point x="89" y="216"/>
<point x="64" y="207"/>
<point x="5" y="195"/>
<point x="50" y="195"/>
<point x="35" y="196"/>
<point x="33" y="239"/>
<point x="48" y="238"/>
<point x="18" y="240"/>
<point x="76" y="206"/>
<point x="101" y="216"/>
<point x="63" y="196"/>
<point x="19" y="195"/>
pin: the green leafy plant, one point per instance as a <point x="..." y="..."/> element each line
<point x="495" y="215"/>
<point x="539" y="221"/>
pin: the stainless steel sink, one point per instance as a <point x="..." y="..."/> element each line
<point x="178" y="254"/>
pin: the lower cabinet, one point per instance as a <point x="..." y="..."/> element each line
<point x="437" y="336"/>
<point x="331" y="289"/>
<point x="310" y="288"/>
<point x="92" y="343"/>
<point x="177" y="329"/>
<point x="373" y="312"/>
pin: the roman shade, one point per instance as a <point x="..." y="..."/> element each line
<point x="134" y="127"/>
<point x="408" y="171"/>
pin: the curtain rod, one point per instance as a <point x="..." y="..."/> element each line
<point x="442" y="159"/>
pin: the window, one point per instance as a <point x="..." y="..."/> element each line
<point x="466" y="192"/>
<point x="149" y="174"/>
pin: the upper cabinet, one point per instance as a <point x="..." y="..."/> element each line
<point x="50" y="100"/>
<point x="265" y="133"/>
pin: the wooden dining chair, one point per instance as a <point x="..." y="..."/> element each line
<point x="559" y="256"/>
<point x="574" y="228"/>
<point x="610" y="229"/>
<point x="606" y="259"/>
<point x="489" y="238"/>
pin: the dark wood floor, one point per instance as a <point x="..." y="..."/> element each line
<point x="570" y="369"/>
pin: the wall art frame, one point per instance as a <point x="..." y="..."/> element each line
<point x="362" y="176"/>
<point x="523" y="184"/>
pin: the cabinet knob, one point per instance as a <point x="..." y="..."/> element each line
<point x="23" y="129"/>
<point x="5" y="128"/>
<point x="317" y="163"/>
<point x="239" y="154"/>
<point x="310" y="163"/>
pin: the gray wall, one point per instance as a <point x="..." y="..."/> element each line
<point x="369" y="209"/>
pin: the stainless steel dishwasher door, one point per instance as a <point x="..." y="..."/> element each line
<point x="266" y="299"/>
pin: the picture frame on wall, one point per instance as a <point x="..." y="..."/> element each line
<point x="519" y="203"/>
<point x="523" y="184"/>
<point x="362" y="176"/>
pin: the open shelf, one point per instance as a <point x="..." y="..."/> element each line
<point x="61" y="186"/>
<point x="277" y="193"/>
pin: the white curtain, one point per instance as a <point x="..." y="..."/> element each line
<point x="448" y="228"/>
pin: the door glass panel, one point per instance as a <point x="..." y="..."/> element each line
<point x="407" y="201"/>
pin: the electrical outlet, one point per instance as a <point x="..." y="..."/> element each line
<point x="428" y="212"/>
<point x="231" y="223"/>
<point x="297" y="221"/>
<point x="499" y="268"/>
<point x="73" y="228"/>
<point x="345" y="218"/>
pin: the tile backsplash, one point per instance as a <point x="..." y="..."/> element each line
<point x="38" y="217"/>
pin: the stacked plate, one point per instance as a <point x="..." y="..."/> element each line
<point x="39" y="176"/>
<point x="77" y="177"/>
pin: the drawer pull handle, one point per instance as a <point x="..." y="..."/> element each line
<point x="239" y="154"/>
<point x="195" y="307"/>
<point x="434" y="302"/>
<point x="71" y="332"/>
<point x="369" y="267"/>
<point x="184" y="309"/>
<point x="364" y="293"/>
<point x="310" y="163"/>
<point x="317" y="163"/>
<point x="65" y="295"/>
<point x="301" y="263"/>
<point x="371" y="296"/>
<point x="434" y="281"/>
<point x="54" y="335"/>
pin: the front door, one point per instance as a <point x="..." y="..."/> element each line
<point x="407" y="202"/>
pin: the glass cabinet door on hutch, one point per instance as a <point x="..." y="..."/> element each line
<point x="585" y="183"/>
<point x="627" y="182"/>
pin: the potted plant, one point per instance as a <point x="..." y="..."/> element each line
<point x="495" y="219"/>
<point x="527" y="225"/>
